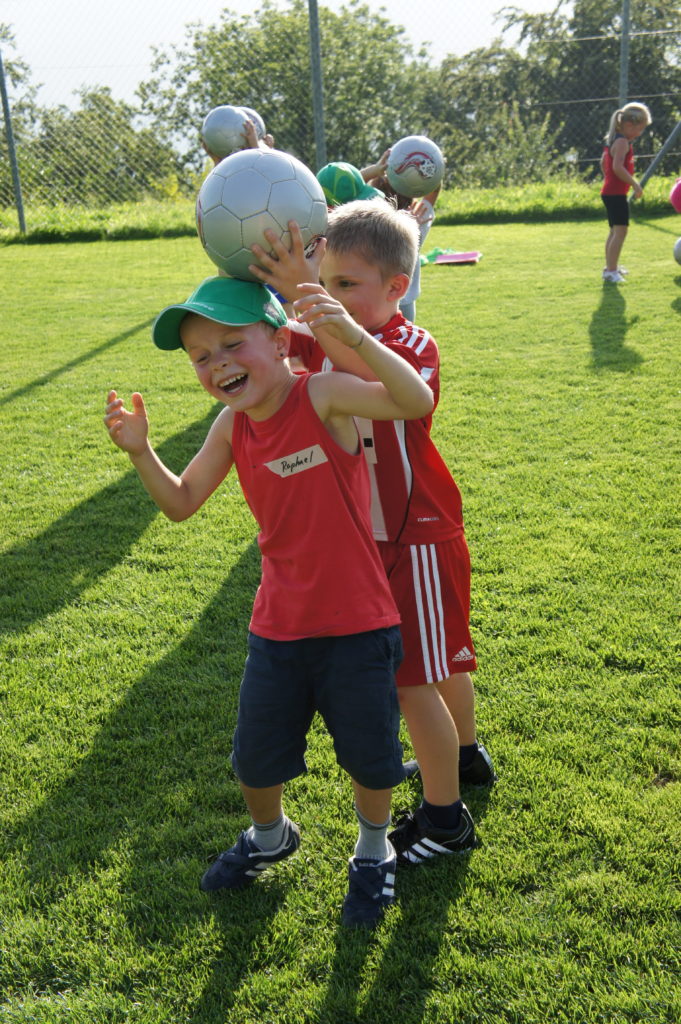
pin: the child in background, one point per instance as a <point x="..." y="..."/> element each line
<point x="617" y="166"/>
<point x="422" y="209"/>
<point x="416" y="513"/>
<point x="323" y="634"/>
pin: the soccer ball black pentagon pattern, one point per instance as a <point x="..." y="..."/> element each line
<point x="248" y="192"/>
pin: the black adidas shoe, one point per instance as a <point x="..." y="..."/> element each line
<point x="416" y="840"/>
<point x="244" y="862"/>
<point x="480" y="772"/>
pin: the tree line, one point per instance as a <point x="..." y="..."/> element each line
<point x="534" y="103"/>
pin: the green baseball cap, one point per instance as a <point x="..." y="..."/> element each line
<point x="227" y="300"/>
<point x="343" y="182"/>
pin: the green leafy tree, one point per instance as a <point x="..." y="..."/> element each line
<point x="481" y="110"/>
<point x="373" y="82"/>
<point x="578" y="50"/>
<point x="95" y="154"/>
<point x="21" y="94"/>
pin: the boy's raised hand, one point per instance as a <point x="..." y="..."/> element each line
<point x="287" y="268"/>
<point x="319" y="310"/>
<point x="127" y="430"/>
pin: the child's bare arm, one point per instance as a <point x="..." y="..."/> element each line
<point x="178" y="497"/>
<point x="397" y="393"/>
<point x="289" y="269"/>
<point x="377" y="170"/>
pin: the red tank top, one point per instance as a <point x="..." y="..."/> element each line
<point x="321" y="571"/>
<point x="612" y="185"/>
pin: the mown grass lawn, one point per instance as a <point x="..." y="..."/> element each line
<point x="122" y="641"/>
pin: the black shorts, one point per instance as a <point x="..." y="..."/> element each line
<point x="349" y="680"/>
<point x="618" y="210"/>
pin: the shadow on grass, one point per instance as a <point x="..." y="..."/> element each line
<point x="47" y="378"/>
<point x="402" y="974"/>
<point x="643" y="222"/>
<point x="48" y="572"/>
<point x="404" y="979"/>
<point x="154" y="799"/>
<point x="607" y="332"/>
<point x="676" y="303"/>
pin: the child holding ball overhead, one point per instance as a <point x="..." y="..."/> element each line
<point x="416" y="513"/>
<point x="617" y="166"/>
<point x="324" y="630"/>
<point x="421" y="208"/>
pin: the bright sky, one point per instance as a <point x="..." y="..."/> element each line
<point x="69" y="43"/>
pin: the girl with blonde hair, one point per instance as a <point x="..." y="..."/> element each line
<point x="617" y="165"/>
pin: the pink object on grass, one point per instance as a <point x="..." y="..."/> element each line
<point x="675" y="196"/>
<point x="458" y="257"/>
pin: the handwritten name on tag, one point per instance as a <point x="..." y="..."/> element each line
<point x="298" y="462"/>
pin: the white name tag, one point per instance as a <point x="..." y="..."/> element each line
<point x="298" y="462"/>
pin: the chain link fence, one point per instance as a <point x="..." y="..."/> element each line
<point x="530" y="100"/>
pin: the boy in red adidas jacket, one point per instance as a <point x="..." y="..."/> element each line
<point x="417" y="519"/>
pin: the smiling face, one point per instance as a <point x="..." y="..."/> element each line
<point x="243" y="367"/>
<point x="370" y="299"/>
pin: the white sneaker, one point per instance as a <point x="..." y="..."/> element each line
<point x="623" y="271"/>
<point x="613" y="277"/>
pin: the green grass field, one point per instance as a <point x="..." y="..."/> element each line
<point x="123" y="638"/>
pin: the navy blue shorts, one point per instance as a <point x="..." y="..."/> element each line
<point x="349" y="680"/>
<point x="618" y="210"/>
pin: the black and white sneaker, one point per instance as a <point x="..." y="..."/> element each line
<point x="480" y="772"/>
<point x="244" y="862"/>
<point x="371" y="889"/>
<point x="417" y="840"/>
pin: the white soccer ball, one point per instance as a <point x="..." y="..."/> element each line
<point x="677" y="250"/>
<point x="415" y="166"/>
<point x="248" y="192"/>
<point x="222" y="131"/>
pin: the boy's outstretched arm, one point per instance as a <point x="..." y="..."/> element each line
<point x="178" y="497"/>
<point x="399" y="393"/>
<point x="286" y="271"/>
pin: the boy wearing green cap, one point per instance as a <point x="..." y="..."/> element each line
<point x="324" y="630"/>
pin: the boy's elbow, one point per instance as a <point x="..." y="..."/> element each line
<point x="428" y="401"/>
<point x="177" y="515"/>
<point x="424" y="406"/>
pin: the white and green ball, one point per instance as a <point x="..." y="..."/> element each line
<point x="415" y="166"/>
<point x="248" y="192"/>
<point x="677" y="250"/>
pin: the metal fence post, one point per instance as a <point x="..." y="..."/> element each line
<point x="317" y="82"/>
<point x="16" y="181"/>
<point x="671" y="139"/>
<point x="624" y="54"/>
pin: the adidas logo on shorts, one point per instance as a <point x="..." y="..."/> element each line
<point x="463" y="655"/>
